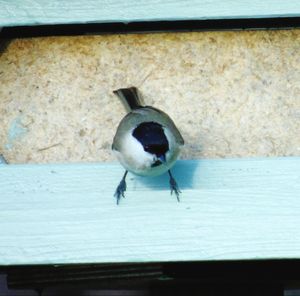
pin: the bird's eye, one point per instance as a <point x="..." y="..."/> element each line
<point x="146" y="147"/>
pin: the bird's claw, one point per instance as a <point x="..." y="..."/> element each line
<point x="174" y="188"/>
<point x="120" y="191"/>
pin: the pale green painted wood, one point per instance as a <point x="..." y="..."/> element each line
<point x="230" y="209"/>
<point x="37" y="12"/>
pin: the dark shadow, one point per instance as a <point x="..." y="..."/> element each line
<point x="2" y="160"/>
<point x="183" y="172"/>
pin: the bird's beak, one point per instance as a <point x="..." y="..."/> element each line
<point x="162" y="158"/>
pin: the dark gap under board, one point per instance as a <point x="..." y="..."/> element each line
<point x="145" y="275"/>
<point x="147" y="27"/>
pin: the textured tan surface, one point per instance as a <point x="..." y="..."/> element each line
<point x="231" y="94"/>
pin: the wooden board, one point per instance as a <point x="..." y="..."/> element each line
<point x="39" y="12"/>
<point x="230" y="209"/>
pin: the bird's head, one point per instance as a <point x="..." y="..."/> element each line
<point x="154" y="141"/>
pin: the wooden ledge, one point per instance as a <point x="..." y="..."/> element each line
<point x="230" y="209"/>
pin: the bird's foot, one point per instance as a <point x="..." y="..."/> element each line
<point x="174" y="186"/>
<point x="120" y="191"/>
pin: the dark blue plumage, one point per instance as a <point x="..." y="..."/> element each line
<point x="151" y="135"/>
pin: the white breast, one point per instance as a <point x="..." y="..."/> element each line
<point x="133" y="156"/>
<point x="135" y="159"/>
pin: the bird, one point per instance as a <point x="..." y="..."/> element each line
<point x="147" y="141"/>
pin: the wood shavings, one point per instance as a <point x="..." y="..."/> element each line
<point x="232" y="94"/>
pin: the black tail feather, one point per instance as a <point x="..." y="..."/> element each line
<point x="129" y="97"/>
